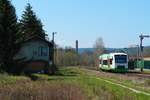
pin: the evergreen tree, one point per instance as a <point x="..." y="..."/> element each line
<point x="30" y="24"/>
<point x="9" y="34"/>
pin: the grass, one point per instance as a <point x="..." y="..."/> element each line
<point x="6" y="79"/>
<point x="146" y="71"/>
<point x="138" y="83"/>
<point x="142" y="84"/>
<point x="69" y="83"/>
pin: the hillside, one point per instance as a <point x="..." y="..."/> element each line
<point x="130" y="51"/>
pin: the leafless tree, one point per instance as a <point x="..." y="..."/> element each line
<point x="99" y="49"/>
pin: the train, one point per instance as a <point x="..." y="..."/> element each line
<point x="116" y="62"/>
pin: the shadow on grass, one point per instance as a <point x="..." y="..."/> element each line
<point x="57" y="76"/>
<point x="115" y="71"/>
<point x="61" y="74"/>
<point x="32" y="77"/>
<point x="70" y="73"/>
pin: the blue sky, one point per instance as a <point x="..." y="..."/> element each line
<point x="118" y="22"/>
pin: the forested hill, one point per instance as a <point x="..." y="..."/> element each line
<point x="81" y="50"/>
<point x="131" y="51"/>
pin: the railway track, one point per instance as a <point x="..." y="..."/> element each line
<point x="130" y="73"/>
<point x="146" y="75"/>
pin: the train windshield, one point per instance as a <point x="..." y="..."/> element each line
<point x="120" y="59"/>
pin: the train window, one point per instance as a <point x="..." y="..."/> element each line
<point x="110" y="61"/>
<point x="100" y="61"/>
<point x="120" y="59"/>
<point x="105" y="62"/>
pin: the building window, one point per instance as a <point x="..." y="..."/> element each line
<point x="43" y="51"/>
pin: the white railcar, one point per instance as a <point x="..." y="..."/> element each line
<point x="114" y="61"/>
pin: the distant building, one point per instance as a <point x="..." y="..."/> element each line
<point x="37" y="54"/>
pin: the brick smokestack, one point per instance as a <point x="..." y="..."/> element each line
<point x="77" y="46"/>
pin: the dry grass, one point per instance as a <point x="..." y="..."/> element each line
<point x="147" y="83"/>
<point x="41" y="91"/>
<point x="68" y="84"/>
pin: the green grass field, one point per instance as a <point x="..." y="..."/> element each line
<point x="71" y="83"/>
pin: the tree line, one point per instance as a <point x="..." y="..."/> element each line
<point x="14" y="31"/>
<point x="70" y="57"/>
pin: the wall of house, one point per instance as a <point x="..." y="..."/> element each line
<point x="32" y="51"/>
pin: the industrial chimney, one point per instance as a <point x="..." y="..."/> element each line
<point x="77" y="46"/>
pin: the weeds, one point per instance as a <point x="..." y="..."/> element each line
<point x="147" y="83"/>
<point x="42" y="91"/>
<point x="67" y="84"/>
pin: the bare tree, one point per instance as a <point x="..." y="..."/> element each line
<point x="99" y="49"/>
<point x="99" y="45"/>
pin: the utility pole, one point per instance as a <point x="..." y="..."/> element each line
<point x="141" y="49"/>
<point x="137" y="58"/>
<point x="53" y="52"/>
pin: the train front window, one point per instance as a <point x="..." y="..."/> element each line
<point x="120" y="59"/>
